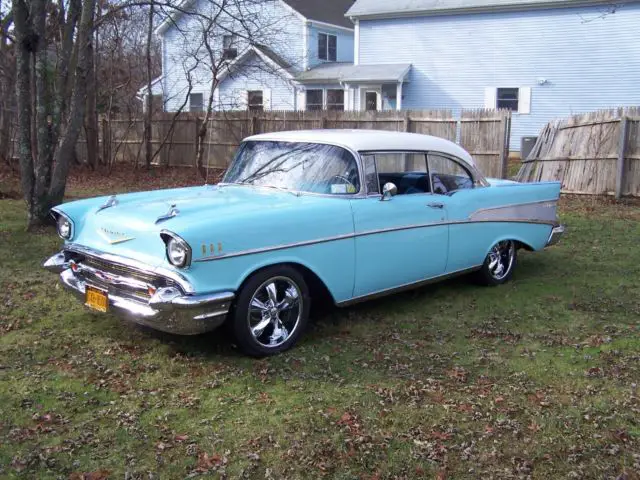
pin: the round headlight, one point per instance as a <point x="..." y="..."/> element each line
<point x="64" y="227"/>
<point x="177" y="252"/>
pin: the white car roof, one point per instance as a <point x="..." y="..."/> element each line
<point x="370" y="140"/>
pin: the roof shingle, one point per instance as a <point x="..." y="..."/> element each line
<point x="327" y="11"/>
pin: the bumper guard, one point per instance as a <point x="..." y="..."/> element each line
<point x="168" y="309"/>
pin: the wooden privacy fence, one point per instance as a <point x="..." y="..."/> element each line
<point x="594" y="153"/>
<point x="484" y="133"/>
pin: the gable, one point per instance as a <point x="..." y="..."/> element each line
<point x="327" y="11"/>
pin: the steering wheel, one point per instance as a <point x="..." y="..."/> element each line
<point x="345" y="180"/>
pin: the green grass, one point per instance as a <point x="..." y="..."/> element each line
<point x="535" y="378"/>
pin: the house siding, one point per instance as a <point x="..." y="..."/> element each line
<point x="591" y="60"/>
<point x="276" y="26"/>
<point x="344" y="42"/>
<point x="255" y="75"/>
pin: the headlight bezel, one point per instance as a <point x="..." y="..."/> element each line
<point x="169" y="239"/>
<point x="62" y="217"/>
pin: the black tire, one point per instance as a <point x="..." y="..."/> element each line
<point x="508" y="251"/>
<point x="246" y="319"/>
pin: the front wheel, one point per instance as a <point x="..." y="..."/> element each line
<point x="271" y="311"/>
<point x="499" y="264"/>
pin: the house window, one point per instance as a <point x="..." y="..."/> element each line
<point x="314" y="100"/>
<point x="196" y="102"/>
<point x="507" y="98"/>
<point x="256" y="100"/>
<point x="229" y="47"/>
<point x="327" y="47"/>
<point x="335" y="99"/>
<point x="371" y="101"/>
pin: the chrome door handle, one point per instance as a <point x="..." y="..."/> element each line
<point x="435" y="205"/>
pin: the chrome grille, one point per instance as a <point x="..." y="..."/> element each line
<point x="104" y="267"/>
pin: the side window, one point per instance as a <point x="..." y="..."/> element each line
<point x="448" y="175"/>
<point x="406" y="170"/>
<point x="370" y="175"/>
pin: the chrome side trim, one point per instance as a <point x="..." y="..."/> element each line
<point x="274" y="248"/>
<point x="255" y="251"/>
<point x="407" y="286"/>
<point x="542" y="210"/>
<point x="129" y="262"/>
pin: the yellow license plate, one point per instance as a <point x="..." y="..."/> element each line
<point x="96" y="299"/>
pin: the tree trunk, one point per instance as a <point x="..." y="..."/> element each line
<point x="149" y="109"/>
<point x="91" y="122"/>
<point x="24" y="47"/>
<point x="66" y="145"/>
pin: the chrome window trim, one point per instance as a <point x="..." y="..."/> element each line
<point x="478" y="179"/>
<point x="361" y="193"/>
<point x="135" y="264"/>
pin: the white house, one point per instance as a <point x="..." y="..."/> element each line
<point x="259" y="49"/>
<point x="543" y="59"/>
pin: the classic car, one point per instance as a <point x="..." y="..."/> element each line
<point x="341" y="215"/>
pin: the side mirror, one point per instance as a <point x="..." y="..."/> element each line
<point x="389" y="190"/>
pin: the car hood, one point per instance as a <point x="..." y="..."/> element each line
<point x="132" y="227"/>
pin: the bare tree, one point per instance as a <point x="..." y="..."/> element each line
<point x="59" y="114"/>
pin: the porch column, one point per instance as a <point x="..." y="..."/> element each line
<point x="399" y="96"/>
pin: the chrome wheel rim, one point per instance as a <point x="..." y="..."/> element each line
<point x="501" y="259"/>
<point x="275" y="311"/>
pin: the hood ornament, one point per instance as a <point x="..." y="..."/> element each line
<point x="173" y="212"/>
<point x="112" y="201"/>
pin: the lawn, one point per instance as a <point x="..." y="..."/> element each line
<point x="537" y="378"/>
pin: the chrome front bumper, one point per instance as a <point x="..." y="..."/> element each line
<point x="556" y="234"/>
<point x="168" y="309"/>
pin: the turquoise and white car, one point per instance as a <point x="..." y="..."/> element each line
<point x="337" y="215"/>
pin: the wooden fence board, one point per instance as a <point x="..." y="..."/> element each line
<point x="174" y="138"/>
<point x="589" y="153"/>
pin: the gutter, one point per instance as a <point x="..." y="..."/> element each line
<point x="557" y="4"/>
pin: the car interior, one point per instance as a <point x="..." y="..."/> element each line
<point x="418" y="182"/>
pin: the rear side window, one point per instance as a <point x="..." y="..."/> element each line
<point x="447" y="175"/>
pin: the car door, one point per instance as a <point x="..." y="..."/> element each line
<point x="402" y="239"/>
<point x="453" y="184"/>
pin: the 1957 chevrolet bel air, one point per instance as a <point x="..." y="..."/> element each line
<point x="347" y="214"/>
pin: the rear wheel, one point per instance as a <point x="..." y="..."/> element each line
<point x="271" y="311"/>
<point x="499" y="264"/>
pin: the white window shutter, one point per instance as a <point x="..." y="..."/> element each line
<point x="490" y="97"/>
<point x="524" y="100"/>
<point x="301" y="100"/>
<point x="266" y="99"/>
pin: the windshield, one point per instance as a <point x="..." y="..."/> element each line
<point x="301" y="167"/>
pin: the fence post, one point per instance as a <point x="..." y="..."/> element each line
<point x="622" y="147"/>
<point x="253" y="125"/>
<point x="323" y="122"/>
<point x="406" y="123"/>
<point x="504" y="148"/>
<point x="106" y="142"/>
